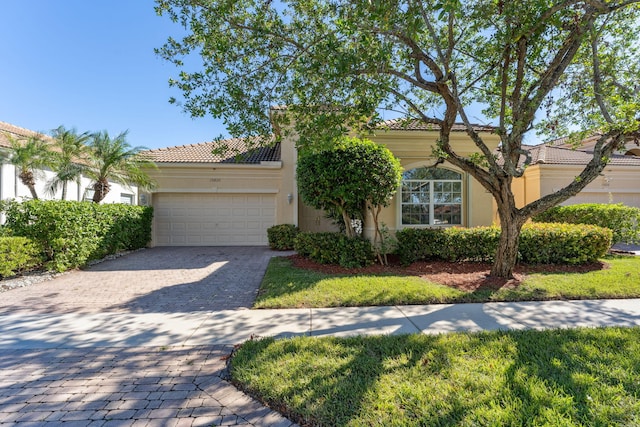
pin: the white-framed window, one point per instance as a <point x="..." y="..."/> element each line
<point x="126" y="198"/>
<point x="431" y="196"/>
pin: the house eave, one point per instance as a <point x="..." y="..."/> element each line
<point x="198" y="165"/>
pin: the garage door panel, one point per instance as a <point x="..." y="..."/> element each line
<point x="212" y="219"/>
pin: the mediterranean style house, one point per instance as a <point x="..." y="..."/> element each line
<point x="12" y="188"/>
<point x="204" y="198"/>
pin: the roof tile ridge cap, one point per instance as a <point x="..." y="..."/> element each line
<point x="542" y="154"/>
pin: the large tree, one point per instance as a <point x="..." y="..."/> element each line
<point x="67" y="158"/>
<point x="561" y="64"/>
<point x="29" y="156"/>
<point x="114" y="159"/>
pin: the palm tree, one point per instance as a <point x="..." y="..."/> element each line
<point x="28" y="156"/>
<point x="67" y="159"/>
<point x="115" y="160"/>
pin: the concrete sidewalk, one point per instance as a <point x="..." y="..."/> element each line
<point x="228" y="327"/>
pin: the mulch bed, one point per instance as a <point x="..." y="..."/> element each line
<point x="466" y="276"/>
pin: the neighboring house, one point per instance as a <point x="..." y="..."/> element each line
<point x="12" y="188"/>
<point x="556" y="164"/>
<point x="210" y="199"/>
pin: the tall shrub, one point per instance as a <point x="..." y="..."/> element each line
<point x="623" y="220"/>
<point x="353" y="175"/>
<point x="18" y="254"/>
<point x="72" y="233"/>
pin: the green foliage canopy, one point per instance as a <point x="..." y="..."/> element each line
<point x="353" y="174"/>
<point x="336" y="64"/>
<point x="114" y="159"/>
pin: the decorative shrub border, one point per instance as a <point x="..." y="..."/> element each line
<point x="623" y="220"/>
<point x="72" y="233"/>
<point x="540" y="243"/>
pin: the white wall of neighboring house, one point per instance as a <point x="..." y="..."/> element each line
<point x="12" y="188"/>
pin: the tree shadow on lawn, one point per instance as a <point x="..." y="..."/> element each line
<point x="586" y="376"/>
<point x="515" y="378"/>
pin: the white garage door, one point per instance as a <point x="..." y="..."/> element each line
<point x="212" y="219"/>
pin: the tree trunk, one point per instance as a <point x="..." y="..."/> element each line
<point x="32" y="189"/>
<point x="100" y="190"/>
<point x="378" y="238"/>
<point x="64" y="190"/>
<point x="27" y="178"/>
<point x="347" y="224"/>
<point x="507" y="253"/>
<point x="511" y="222"/>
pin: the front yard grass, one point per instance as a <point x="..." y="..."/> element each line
<point x="285" y="286"/>
<point x="575" y="377"/>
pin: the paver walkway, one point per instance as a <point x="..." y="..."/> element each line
<point x="89" y="348"/>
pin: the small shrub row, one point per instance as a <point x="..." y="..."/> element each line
<point x="282" y="237"/>
<point x="623" y="220"/>
<point x="335" y="248"/>
<point x="540" y="243"/>
<point x="554" y="243"/>
<point x="72" y="233"/>
<point x="18" y="254"/>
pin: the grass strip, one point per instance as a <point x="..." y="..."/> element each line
<point x="574" y="377"/>
<point x="285" y="286"/>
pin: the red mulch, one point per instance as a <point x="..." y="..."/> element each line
<point x="466" y="276"/>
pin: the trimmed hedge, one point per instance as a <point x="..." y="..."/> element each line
<point x="549" y="243"/>
<point x="470" y="244"/>
<point x="623" y="220"/>
<point x="540" y="243"/>
<point x="72" y="233"/>
<point x="282" y="237"/>
<point x="420" y="243"/>
<point x="335" y="248"/>
<point x="18" y="254"/>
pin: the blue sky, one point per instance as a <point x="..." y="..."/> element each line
<point x="90" y="64"/>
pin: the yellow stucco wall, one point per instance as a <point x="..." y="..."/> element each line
<point x="414" y="149"/>
<point x="617" y="184"/>
<point x="269" y="178"/>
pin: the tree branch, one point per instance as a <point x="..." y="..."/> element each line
<point x="603" y="148"/>
<point x="597" y="76"/>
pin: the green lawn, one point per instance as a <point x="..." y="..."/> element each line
<point x="285" y="286"/>
<point x="578" y="377"/>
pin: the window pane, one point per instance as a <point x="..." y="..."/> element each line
<point x="447" y="214"/>
<point x="417" y="201"/>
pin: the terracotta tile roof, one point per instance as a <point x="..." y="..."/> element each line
<point x="419" y="125"/>
<point x="248" y="151"/>
<point x="413" y="124"/>
<point x="17" y="132"/>
<point x="553" y="155"/>
<point x="235" y="150"/>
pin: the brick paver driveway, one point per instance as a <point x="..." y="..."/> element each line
<point x="52" y="377"/>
